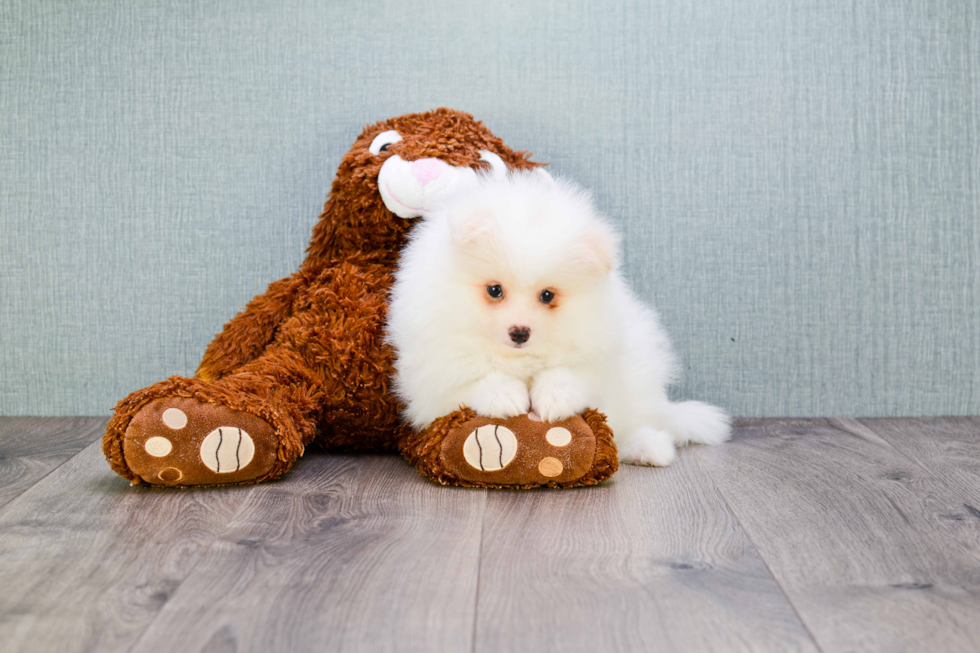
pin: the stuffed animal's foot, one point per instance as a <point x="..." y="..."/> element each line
<point x="182" y="440"/>
<point x="518" y="452"/>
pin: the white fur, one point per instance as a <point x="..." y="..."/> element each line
<point x="599" y="347"/>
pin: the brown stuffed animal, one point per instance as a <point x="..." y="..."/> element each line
<point x="307" y="361"/>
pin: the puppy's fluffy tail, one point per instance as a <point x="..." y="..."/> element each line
<point x="701" y="423"/>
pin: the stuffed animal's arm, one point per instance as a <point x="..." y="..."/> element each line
<point x="246" y="335"/>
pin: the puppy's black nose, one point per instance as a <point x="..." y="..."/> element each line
<point x="519" y="334"/>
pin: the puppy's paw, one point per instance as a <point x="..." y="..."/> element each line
<point x="558" y="394"/>
<point x="508" y="399"/>
<point x="647" y="446"/>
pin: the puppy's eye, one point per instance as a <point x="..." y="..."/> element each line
<point x="383" y="140"/>
<point x="496" y="291"/>
<point x="546" y="296"/>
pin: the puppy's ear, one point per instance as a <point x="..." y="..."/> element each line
<point x="598" y="249"/>
<point x="472" y="227"/>
<point x="544" y="177"/>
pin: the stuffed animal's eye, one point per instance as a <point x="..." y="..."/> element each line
<point x="496" y="291"/>
<point x="383" y="140"/>
<point x="546" y="296"/>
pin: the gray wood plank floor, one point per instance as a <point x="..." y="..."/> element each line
<point x="30" y="447"/>
<point x="651" y="561"/>
<point x="799" y="535"/>
<point x="857" y="534"/>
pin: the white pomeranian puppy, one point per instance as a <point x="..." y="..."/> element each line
<point x="509" y="301"/>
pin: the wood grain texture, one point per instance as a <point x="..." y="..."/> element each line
<point x="352" y="553"/>
<point x="867" y="544"/>
<point x="86" y="560"/>
<point x="948" y="447"/>
<point x="30" y="447"/>
<point x="651" y="561"/>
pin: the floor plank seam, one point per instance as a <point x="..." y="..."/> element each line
<point x="97" y="438"/>
<point x="138" y="644"/>
<point x="762" y="557"/>
<point x="9" y="501"/>
<point x="837" y="423"/>
<point x="479" y="571"/>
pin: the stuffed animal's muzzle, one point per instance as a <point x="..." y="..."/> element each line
<point x="412" y="189"/>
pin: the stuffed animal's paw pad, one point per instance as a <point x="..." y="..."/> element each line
<point x="227" y="449"/>
<point x="550" y="467"/>
<point x="490" y="448"/>
<point x="520" y="451"/>
<point x="558" y="436"/>
<point x="183" y="441"/>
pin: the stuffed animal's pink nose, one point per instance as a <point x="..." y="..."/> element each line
<point x="426" y="170"/>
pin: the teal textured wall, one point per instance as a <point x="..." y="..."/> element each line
<point x="799" y="183"/>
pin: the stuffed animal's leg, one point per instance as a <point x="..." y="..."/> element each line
<point x="248" y="426"/>
<point x="245" y="337"/>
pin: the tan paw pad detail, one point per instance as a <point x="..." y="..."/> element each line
<point x="170" y="475"/>
<point x="158" y="446"/>
<point x="558" y="437"/>
<point x="550" y="467"/>
<point x="174" y="418"/>
<point x="490" y="448"/>
<point x="227" y="449"/>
